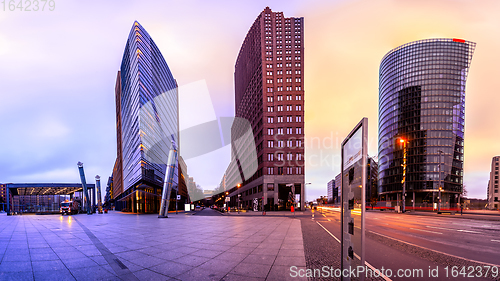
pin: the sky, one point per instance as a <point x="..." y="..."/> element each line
<point x="58" y="71"/>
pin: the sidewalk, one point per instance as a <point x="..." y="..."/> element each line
<point x="118" y="246"/>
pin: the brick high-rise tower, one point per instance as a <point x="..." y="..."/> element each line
<point x="269" y="93"/>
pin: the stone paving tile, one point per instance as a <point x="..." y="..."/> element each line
<point x="131" y="255"/>
<point x="151" y="251"/>
<point x="291" y="253"/>
<point x="293" y="246"/>
<point x="224" y="266"/>
<point x="16" y="257"/>
<point x="43" y="254"/>
<point x="273" y="244"/>
<point x="191" y="260"/>
<point x="15" y="266"/>
<point x="186" y="250"/>
<point x="38" y="245"/>
<point x="91" y="273"/>
<point x="201" y="274"/>
<point x="207" y="253"/>
<point x="63" y="274"/>
<point x="131" y="266"/>
<point x="228" y="256"/>
<point x="170" y="255"/>
<point x="234" y="277"/>
<point x="259" y="259"/>
<point x="252" y="270"/>
<point x="241" y="250"/>
<point x="285" y="273"/>
<point x="79" y="262"/>
<point x="167" y="247"/>
<point x="290" y="261"/>
<point x="63" y="249"/>
<point x="47" y="265"/>
<point x="17" y="276"/>
<point x="118" y="249"/>
<point x="148" y="275"/>
<point x="72" y="254"/>
<point x="100" y="260"/>
<point x="171" y="269"/>
<point x="23" y="251"/>
<point x="89" y="250"/>
<point x="147" y="261"/>
<point x="266" y="251"/>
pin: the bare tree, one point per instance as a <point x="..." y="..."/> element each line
<point x="464" y="191"/>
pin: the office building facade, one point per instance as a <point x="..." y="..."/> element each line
<point x="421" y="121"/>
<point x="338" y="183"/>
<point x="144" y="79"/>
<point x="269" y="93"/>
<point x="371" y="191"/>
<point x="331" y="192"/>
<point x="493" y="190"/>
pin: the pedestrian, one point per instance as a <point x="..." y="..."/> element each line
<point x="461" y="209"/>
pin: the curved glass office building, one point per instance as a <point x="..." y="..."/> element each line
<point x="421" y="121"/>
<point x="144" y="80"/>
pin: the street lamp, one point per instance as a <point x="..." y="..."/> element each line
<point x="403" y="181"/>
<point x="440" y="188"/>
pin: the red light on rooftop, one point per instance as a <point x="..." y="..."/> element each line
<point x="458" y="40"/>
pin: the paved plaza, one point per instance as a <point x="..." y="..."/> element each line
<point x="120" y="246"/>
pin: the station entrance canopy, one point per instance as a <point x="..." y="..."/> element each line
<point x="39" y="197"/>
<point x="26" y="189"/>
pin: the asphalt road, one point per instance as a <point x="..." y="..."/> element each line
<point x="468" y="239"/>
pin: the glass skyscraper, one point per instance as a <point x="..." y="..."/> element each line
<point x="144" y="80"/>
<point x="421" y="121"/>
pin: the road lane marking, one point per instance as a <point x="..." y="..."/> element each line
<point x="426" y="230"/>
<point x="495" y="240"/>
<point x="329" y="220"/>
<point x="328" y="232"/>
<point x="460" y="230"/>
<point x="324" y="215"/>
<point x="369" y="265"/>
<point x="436" y="251"/>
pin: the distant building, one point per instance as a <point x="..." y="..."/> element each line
<point x="421" y="116"/>
<point x="3" y="196"/>
<point x="338" y="184"/>
<point x="371" y="180"/>
<point x="208" y="193"/>
<point x="333" y="194"/>
<point x="269" y="94"/>
<point x="493" y="194"/>
<point x="475" y="204"/>
<point x="330" y="187"/>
